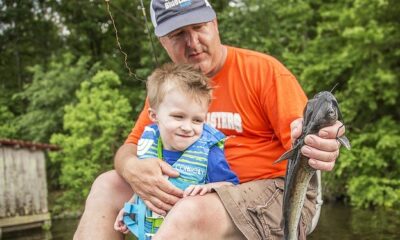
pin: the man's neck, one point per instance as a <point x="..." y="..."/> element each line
<point x="221" y="60"/>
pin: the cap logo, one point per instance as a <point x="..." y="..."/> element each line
<point x="172" y="3"/>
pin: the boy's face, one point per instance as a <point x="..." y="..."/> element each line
<point x="180" y="120"/>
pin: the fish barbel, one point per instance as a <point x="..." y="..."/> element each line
<point x="321" y="111"/>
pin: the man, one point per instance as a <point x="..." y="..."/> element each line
<point x="255" y="102"/>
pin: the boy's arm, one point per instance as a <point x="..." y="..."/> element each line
<point x="218" y="169"/>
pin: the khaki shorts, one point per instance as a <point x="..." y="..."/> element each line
<point x="256" y="208"/>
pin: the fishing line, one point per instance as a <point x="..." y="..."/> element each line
<point x="130" y="73"/>
<point x="337" y="133"/>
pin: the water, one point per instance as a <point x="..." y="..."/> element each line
<point x="60" y="230"/>
<point x="339" y="222"/>
<point x="336" y="222"/>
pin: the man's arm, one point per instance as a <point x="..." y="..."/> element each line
<point x="146" y="178"/>
<point x="323" y="148"/>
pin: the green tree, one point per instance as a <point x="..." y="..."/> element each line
<point x="26" y="35"/>
<point x="90" y="31"/>
<point x="272" y="27"/>
<point x="94" y="129"/>
<point x="33" y="31"/>
<point x="7" y="130"/>
<point x="50" y="90"/>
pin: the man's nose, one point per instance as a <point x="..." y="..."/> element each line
<point x="192" y="39"/>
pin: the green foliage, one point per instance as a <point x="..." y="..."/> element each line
<point x="7" y="129"/>
<point x="273" y="27"/>
<point x="44" y="111"/>
<point x="375" y="159"/>
<point x="27" y="36"/>
<point x="91" y="32"/>
<point x="94" y="128"/>
<point x="366" y="191"/>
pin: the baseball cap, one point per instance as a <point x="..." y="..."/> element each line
<point x="169" y="15"/>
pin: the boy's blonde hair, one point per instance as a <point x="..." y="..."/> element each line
<point x="184" y="77"/>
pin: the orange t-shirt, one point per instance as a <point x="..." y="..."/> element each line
<point x="254" y="101"/>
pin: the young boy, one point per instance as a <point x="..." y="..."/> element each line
<point x="179" y="96"/>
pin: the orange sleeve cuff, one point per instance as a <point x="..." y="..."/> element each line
<point x="142" y="121"/>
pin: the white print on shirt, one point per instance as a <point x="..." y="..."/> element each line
<point x="225" y="120"/>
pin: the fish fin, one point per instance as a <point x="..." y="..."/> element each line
<point x="286" y="155"/>
<point x="344" y="141"/>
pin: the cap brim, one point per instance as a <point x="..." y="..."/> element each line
<point x="205" y="14"/>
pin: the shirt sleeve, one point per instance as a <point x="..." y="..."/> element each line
<point x="218" y="169"/>
<point x="142" y="121"/>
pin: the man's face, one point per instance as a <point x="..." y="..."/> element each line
<point x="197" y="44"/>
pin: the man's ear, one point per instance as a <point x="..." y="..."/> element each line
<point x="152" y="115"/>
<point x="215" y="21"/>
<point x="162" y="40"/>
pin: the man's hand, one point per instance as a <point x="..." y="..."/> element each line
<point x="147" y="178"/>
<point x="322" y="149"/>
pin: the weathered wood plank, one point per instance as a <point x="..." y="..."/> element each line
<point x="18" y="176"/>
<point x="38" y="195"/>
<point x="41" y="169"/>
<point x="9" y="173"/>
<point x="30" y="181"/>
<point x="18" y="220"/>
<point x="2" y="184"/>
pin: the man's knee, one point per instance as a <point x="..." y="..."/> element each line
<point x="199" y="217"/>
<point x="197" y="211"/>
<point x="109" y="180"/>
<point x="109" y="184"/>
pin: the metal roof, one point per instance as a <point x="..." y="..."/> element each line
<point x="26" y="144"/>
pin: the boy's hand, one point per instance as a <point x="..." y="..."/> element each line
<point x="119" y="224"/>
<point x="201" y="190"/>
<point x="194" y="190"/>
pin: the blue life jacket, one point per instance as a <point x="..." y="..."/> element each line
<point x="192" y="168"/>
